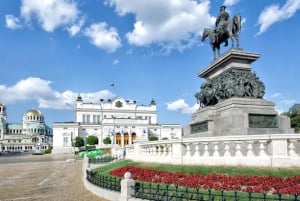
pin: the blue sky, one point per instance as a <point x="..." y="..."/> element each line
<point x="53" y="50"/>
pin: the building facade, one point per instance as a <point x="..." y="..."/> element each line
<point x="30" y="135"/>
<point x="123" y="121"/>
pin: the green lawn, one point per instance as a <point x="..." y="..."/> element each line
<point x="205" y="170"/>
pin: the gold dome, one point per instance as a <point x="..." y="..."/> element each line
<point x="33" y="112"/>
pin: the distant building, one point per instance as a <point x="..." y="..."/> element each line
<point x="32" y="134"/>
<point x="121" y="120"/>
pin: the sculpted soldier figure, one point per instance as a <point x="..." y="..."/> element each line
<point x="222" y="18"/>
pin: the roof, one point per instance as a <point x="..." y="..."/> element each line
<point x="33" y="112"/>
<point x="14" y="126"/>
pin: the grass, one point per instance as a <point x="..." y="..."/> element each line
<point x="206" y="170"/>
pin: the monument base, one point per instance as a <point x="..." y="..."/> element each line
<point x="238" y="116"/>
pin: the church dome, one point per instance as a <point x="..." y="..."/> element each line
<point x="33" y="115"/>
<point x="33" y="112"/>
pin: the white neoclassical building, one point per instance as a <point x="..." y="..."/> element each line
<point x="123" y="121"/>
<point x="32" y="134"/>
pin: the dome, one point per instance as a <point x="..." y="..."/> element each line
<point x="2" y="105"/>
<point x="33" y="112"/>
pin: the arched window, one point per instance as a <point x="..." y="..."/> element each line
<point x="35" y="140"/>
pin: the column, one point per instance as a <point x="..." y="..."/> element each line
<point x="130" y="137"/>
<point x="122" y="139"/>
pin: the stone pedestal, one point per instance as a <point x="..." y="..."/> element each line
<point x="239" y="116"/>
<point x="237" y="106"/>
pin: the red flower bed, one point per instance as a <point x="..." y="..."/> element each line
<point x="257" y="184"/>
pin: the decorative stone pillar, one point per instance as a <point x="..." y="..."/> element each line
<point x="127" y="186"/>
<point x="188" y="150"/>
<point x="206" y="152"/>
<point x="238" y="152"/>
<point x="262" y="151"/>
<point x="197" y="151"/>
<point x="227" y="148"/>
<point x="216" y="149"/>
<point x="250" y="152"/>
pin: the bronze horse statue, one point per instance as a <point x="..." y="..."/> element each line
<point x="230" y="29"/>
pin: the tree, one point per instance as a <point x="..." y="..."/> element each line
<point x="79" y="142"/>
<point x="294" y="114"/>
<point x="153" y="138"/>
<point x="92" y="140"/>
<point x="107" y="140"/>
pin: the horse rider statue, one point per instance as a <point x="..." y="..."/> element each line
<point x="222" y="18"/>
<point x="225" y="28"/>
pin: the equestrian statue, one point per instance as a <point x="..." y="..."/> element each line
<point x="225" y="28"/>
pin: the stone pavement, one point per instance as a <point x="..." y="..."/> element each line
<point x="26" y="177"/>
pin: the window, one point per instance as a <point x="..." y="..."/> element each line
<point x="65" y="141"/>
<point x="88" y="118"/>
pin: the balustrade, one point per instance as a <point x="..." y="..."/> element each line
<point x="224" y="150"/>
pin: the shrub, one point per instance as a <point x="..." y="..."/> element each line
<point x="79" y="142"/>
<point x="92" y="140"/>
<point x="153" y="138"/>
<point x="107" y="140"/>
<point x="48" y="151"/>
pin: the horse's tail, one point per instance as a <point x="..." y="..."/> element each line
<point x="237" y="22"/>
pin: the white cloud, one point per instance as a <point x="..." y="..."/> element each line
<point x="180" y="106"/>
<point x="116" y="62"/>
<point x="172" y="24"/>
<point x="282" y="103"/>
<point x="275" y="13"/>
<point x="40" y="90"/>
<point x="75" y="28"/>
<point x="275" y="95"/>
<point x="103" y="37"/>
<point x="230" y="2"/>
<point x="12" y="22"/>
<point x="50" y="13"/>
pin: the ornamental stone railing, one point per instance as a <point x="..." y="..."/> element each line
<point x="280" y="150"/>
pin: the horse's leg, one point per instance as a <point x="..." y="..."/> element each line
<point x="214" y="50"/>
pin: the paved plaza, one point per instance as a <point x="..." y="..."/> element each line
<point x="26" y="177"/>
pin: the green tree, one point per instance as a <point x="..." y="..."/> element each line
<point x="153" y="138"/>
<point x="294" y="114"/>
<point x="92" y="140"/>
<point x="107" y="140"/>
<point x="79" y="142"/>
